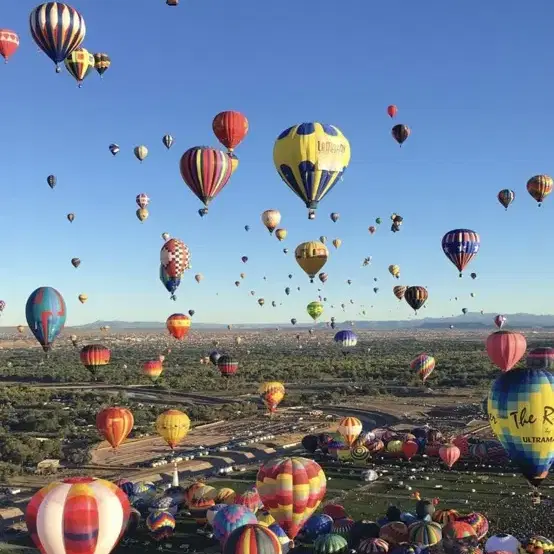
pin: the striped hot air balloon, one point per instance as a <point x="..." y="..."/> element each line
<point x="178" y="325"/>
<point x="205" y="171"/>
<point x="252" y="538"/>
<point x="153" y="369"/>
<point x="80" y="514"/>
<point x="94" y="356"/>
<point x="460" y="246"/>
<point x="349" y="429"/>
<point x="57" y="29"/>
<point x="291" y="489"/>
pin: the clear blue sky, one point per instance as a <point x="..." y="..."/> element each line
<point x="473" y="80"/>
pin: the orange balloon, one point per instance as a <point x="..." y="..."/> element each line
<point x="153" y="369"/>
<point x="230" y="128"/>
<point x="178" y="325"/>
<point x="115" y="424"/>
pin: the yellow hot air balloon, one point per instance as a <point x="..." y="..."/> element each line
<point x="337" y="243"/>
<point x="271" y="218"/>
<point x="394" y="270"/>
<point x="79" y="64"/>
<point x="272" y="393"/>
<point x="311" y="158"/>
<point x="142" y="214"/>
<point x="314" y="309"/>
<point x="311" y="257"/>
<point x="281" y="234"/>
<point x="20" y="328"/>
<point x="234" y="162"/>
<point x="83" y="298"/>
<point x="394" y="447"/>
<point x="350" y="429"/>
<point x="141" y="152"/>
<point x="198" y="277"/>
<point x="173" y="426"/>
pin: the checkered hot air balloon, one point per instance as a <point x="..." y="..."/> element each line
<point x="80" y="514"/>
<point x="175" y="258"/>
<point x="291" y="489"/>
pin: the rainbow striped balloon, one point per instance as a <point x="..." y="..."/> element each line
<point x="80" y="514"/>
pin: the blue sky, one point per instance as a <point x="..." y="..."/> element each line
<point x="472" y="80"/>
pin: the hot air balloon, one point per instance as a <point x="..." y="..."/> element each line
<point x="153" y="369"/>
<point x="89" y="514"/>
<point x="315" y="310"/>
<point x="506" y="197"/>
<point x="416" y="297"/>
<point x="175" y="258"/>
<point x="261" y="301"/>
<point x="20" y="329"/>
<point x="94" y="356"/>
<point x="311" y="158"/>
<point x="227" y="366"/>
<point x="142" y="214"/>
<point x="423" y="365"/>
<point x="171" y="284"/>
<point x="102" y="63"/>
<point x="9" y="43"/>
<point x="399" y="291"/>
<point x="500" y="321"/>
<point x="205" y="171"/>
<point x="291" y="489"/>
<point x="57" y="29"/>
<point x="191" y="312"/>
<point x="346" y="339"/>
<point x="230" y="518"/>
<point x="311" y="257"/>
<point x="394" y="270"/>
<point x="70" y="217"/>
<point x="272" y="393"/>
<point x="460" y="246"/>
<point x="392" y="110"/>
<point x="141" y="152"/>
<point x="505" y="349"/>
<point x="337" y="243"/>
<point x="115" y="424"/>
<point x="253" y="538"/>
<point x="372" y="229"/>
<point x="79" y="64"/>
<point x="198" y="277"/>
<point x="400" y="133"/>
<point x="539" y="187"/>
<point x="178" y="326"/>
<point x="271" y="219"/>
<point x="520" y="408"/>
<point x="167" y="141"/>
<point x="161" y="524"/>
<point x="51" y="180"/>
<point x="46" y="313"/>
<point x="349" y="429"/>
<point x="173" y="426"/>
<point x="230" y="128"/>
<point x="449" y="454"/>
<point x="114" y="149"/>
<point x="334" y="217"/>
<point x="142" y="200"/>
<point x="2" y="306"/>
<point x="281" y="234"/>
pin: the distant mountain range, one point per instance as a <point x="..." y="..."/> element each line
<point x="468" y="321"/>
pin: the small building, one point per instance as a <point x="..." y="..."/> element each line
<point x="10" y="516"/>
<point x="50" y="465"/>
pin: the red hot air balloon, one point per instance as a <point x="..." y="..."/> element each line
<point x="9" y="43"/>
<point x="115" y="424"/>
<point x="505" y="349"/>
<point x="449" y="454"/>
<point x="178" y="326"/>
<point x="409" y="449"/>
<point x="392" y="110"/>
<point x="230" y="128"/>
<point x="205" y="171"/>
<point x="94" y="356"/>
<point x="227" y="366"/>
